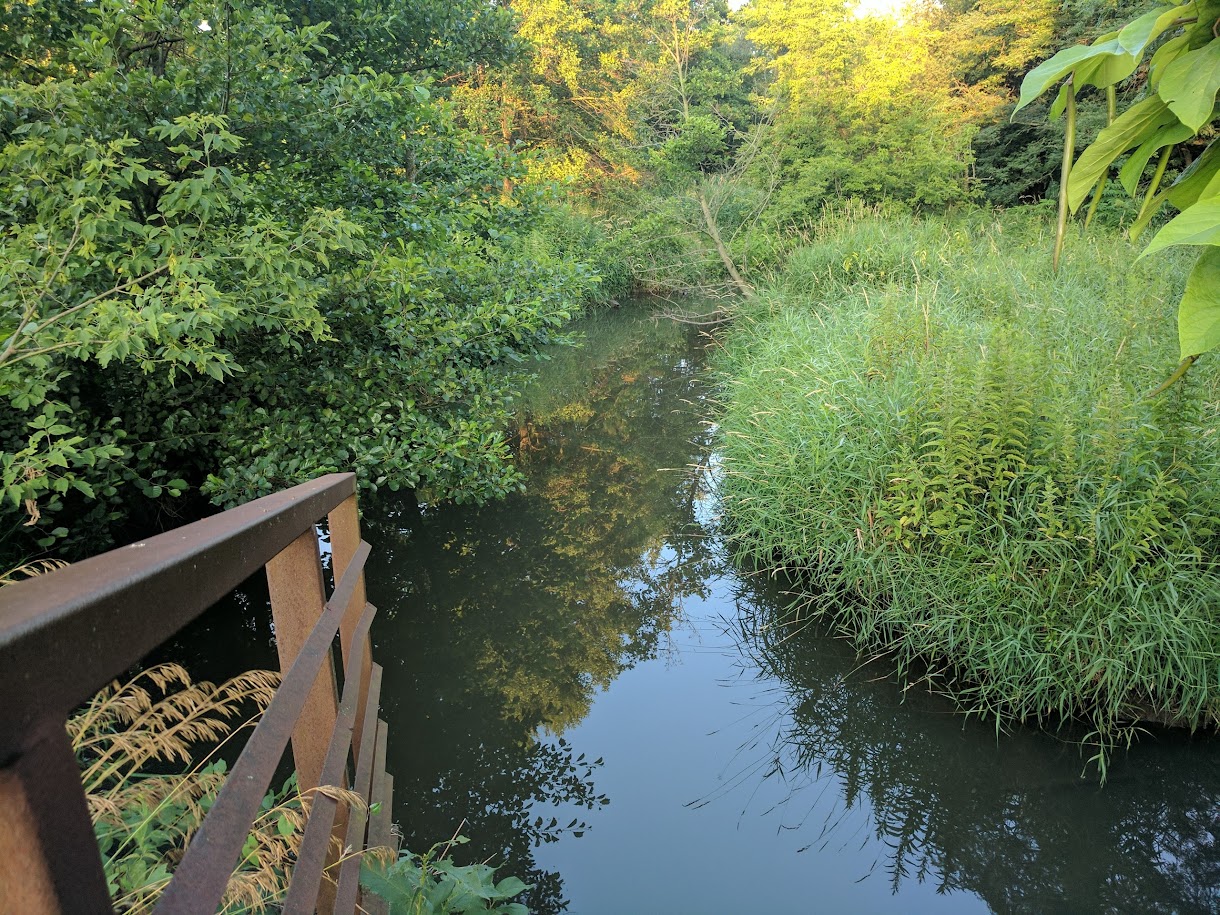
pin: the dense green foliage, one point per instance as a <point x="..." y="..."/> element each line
<point x="1175" y="105"/>
<point x="705" y="136"/>
<point x="243" y="245"/>
<point x="952" y="448"/>
<point x="240" y="251"/>
<point x="431" y="884"/>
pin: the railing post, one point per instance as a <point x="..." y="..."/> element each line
<point x="344" y="523"/>
<point x="65" y="634"/>
<point x="49" y="861"/>
<point x="298" y="597"/>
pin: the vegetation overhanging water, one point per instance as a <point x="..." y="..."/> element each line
<point x="583" y="660"/>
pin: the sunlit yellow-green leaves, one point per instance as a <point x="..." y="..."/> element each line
<point x="1178" y="103"/>
<point x="1199" y="310"/>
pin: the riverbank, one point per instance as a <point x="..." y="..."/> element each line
<point x="952" y="448"/>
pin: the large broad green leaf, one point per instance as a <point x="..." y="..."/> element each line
<point x="1211" y="189"/>
<point x="1130" y="174"/>
<point x="1164" y="56"/>
<point x="510" y="887"/>
<point x="1192" y="184"/>
<point x="396" y="885"/>
<point x="1049" y="72"/>
<point x="1199" y="310"/>
<point x="1106" y="70"/>
<point x="1109" y="60"/>
<point x="1137" y="34"/>
<point x="1198" y="225"/>
<point x="1132" y="128"/>
<point x="1190" y="84"/>
<point x="1111" y="66"/>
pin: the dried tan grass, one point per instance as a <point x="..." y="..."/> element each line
<point x="162" y="716"/>
<point x="124" y="727"/>
<point x="31" y="570"/>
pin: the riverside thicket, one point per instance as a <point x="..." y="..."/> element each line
<point x="952" y="449"/>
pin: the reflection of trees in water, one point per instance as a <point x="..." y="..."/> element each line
<point x="504" y="622"/>
<point x="1011" y="820"/>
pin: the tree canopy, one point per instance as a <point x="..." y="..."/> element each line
<point x="238" y="250"/>
<point x="242" y="244"/>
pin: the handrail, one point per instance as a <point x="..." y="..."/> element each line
<point x="199" y="882"/>
<point x="80" y="627"/>
<point x="311" y="855"/>
<point x="65" y="634"/>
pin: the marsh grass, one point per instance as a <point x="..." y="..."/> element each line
<point x="147" y="752"/>
<point x="952" y="447"/>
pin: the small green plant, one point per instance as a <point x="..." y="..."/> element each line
<point x="431" y="884"/>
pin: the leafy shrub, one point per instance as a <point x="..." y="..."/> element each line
<point x="431" y="884"/>
<point x="661" y="235"/>
<point x="566" y="234"/>
<point x="222" y="274"/>
<point x="954" y="451"/>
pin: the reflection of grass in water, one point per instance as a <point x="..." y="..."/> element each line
<point x="1014" y="823"/>
<point x="608" y="338"/>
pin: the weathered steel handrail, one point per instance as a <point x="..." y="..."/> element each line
<point x="65" y="635"/>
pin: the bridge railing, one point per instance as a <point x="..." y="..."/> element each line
<point x="66" y="634"/>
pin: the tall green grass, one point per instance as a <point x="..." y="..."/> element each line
<point x="952" y="447"/>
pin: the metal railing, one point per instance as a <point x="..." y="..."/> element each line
<point x="66" y="634"/>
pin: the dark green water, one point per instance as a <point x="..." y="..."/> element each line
<point x="579" y="680"/>
<point x="581" y="676"/>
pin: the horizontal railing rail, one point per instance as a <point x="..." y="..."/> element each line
<point x="66" y="634"/>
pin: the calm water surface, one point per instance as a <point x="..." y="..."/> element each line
<point x="579" y="681"/>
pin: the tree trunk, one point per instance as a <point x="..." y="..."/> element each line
<point x="726" y="258"/>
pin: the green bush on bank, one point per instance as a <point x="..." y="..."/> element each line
<point x="953" y="448"/>
<point x="660" y="235"/>
<point x="566" y="234"/>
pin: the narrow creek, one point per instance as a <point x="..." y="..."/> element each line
<point x="579" y="681"/>
<point x="580" y="675"/>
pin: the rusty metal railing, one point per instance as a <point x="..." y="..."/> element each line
<point x="65" y="635"/>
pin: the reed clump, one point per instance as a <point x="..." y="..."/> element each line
<point x="952" y="447"/>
